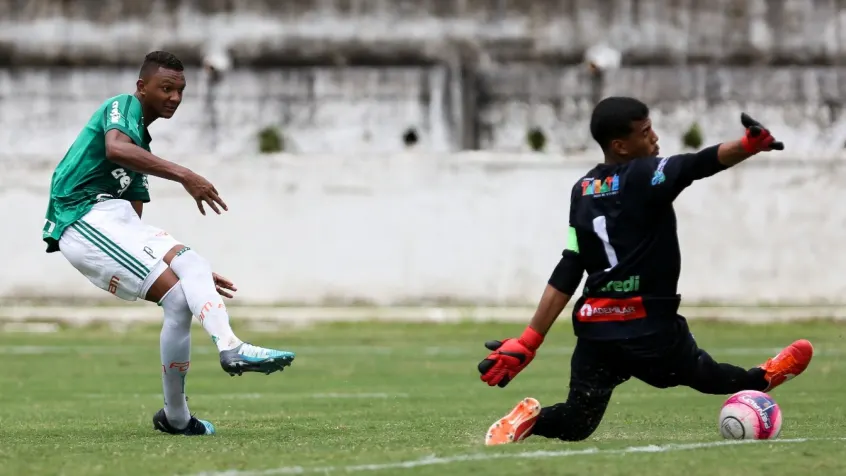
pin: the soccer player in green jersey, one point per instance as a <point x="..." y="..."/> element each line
<point x="93" y="218"/>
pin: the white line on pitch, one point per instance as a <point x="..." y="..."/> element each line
<point x="447" y="460"/>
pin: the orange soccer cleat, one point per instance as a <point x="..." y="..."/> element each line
<point x="789" y="363"/>
<point x="515" y="426"/>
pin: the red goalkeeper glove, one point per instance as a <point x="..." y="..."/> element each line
<point x="509" y="357"/>
<point x="757" y="138"/>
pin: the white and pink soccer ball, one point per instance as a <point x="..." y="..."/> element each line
<point x="750" y="415"/>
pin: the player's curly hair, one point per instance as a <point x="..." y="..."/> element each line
<point x="160" y="59"/>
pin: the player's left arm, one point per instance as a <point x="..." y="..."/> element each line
<point x="669" y="176"/>
<point x="756" y="140"/>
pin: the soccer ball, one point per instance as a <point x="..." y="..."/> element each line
<point x="750" y="415"/>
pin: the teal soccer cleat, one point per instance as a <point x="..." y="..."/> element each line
<point x="250" y="358"/>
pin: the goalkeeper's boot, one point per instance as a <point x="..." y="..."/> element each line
<point x="196" y="427"/>
<point x="515" y="426"/>
<point x="789" y="363"/>
<point x="250" y="358"/>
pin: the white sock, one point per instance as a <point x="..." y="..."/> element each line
<point x="195" y="274"/>
<point x="175" y="342"/>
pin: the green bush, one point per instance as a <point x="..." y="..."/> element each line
<point x="536" y="139"/>
<point x="270" y="140"/>
<point x="693" y="137"/>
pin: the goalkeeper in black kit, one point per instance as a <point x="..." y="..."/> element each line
<point x="623" y="235"/>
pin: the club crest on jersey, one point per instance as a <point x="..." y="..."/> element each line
<point x="601" y="187"/>
<point x="658" y="177"/>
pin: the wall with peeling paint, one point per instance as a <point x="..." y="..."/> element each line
<point x="354" y="75"/>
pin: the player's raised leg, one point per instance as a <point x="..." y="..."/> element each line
<point x="789" y="363"/>
<point x="198" y="284"/>
<point x="680" y="361"/>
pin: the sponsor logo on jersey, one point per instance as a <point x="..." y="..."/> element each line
<point x="658" y="177"/>
<point x="611" y="310"/>
<point x="601" y="187"/>
<point x="115" y="116"/>
<point x="632" y="284"/>
<point x="124" y="180"/>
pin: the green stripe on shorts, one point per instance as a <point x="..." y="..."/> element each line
<point x="133" y="261"/>
<point x="111" y="249"/>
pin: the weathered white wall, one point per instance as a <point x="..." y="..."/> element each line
<point x="651" y="31"/>
<point x="366" y="110"/>
<point x="418" y="64"/>
<point x="471" y="227"/>
<point x="316" y="109"/>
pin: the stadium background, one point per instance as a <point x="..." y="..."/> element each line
<point x="425" y="149"/>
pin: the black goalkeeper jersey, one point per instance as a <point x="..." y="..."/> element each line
<point x="623" y="229"/>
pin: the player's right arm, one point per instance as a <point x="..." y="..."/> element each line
<point x="511" y="356"/>
<point x="122" y="150"/>
<point x="560" y="288"/>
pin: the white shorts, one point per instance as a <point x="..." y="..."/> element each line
<point x="115" y="250"/>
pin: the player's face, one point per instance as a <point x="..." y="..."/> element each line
<point x="642" y="142"/>
<point x="162" y="92"/>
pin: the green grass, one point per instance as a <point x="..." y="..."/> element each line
<point x="80" y="401"/>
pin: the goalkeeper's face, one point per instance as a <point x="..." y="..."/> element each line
<point x="641" y="142"/>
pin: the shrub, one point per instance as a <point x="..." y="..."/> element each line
<point x="693" y="137"/>
<point x="536" y="139"/>
<point x="270" y="140"/>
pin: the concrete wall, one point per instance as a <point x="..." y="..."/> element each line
<point x="354" y="75"/>
<point x="317" y="109"/>
<point x="367" y="110"/>
<point x="648" y="31"/>
<point x="471" y="227"/>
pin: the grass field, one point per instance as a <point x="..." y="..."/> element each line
<point x="400" y="399"/>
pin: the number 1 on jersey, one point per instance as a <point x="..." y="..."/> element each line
<point x="601" y="229"/>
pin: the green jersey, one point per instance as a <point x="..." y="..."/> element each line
<point x="85" y="177"/>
